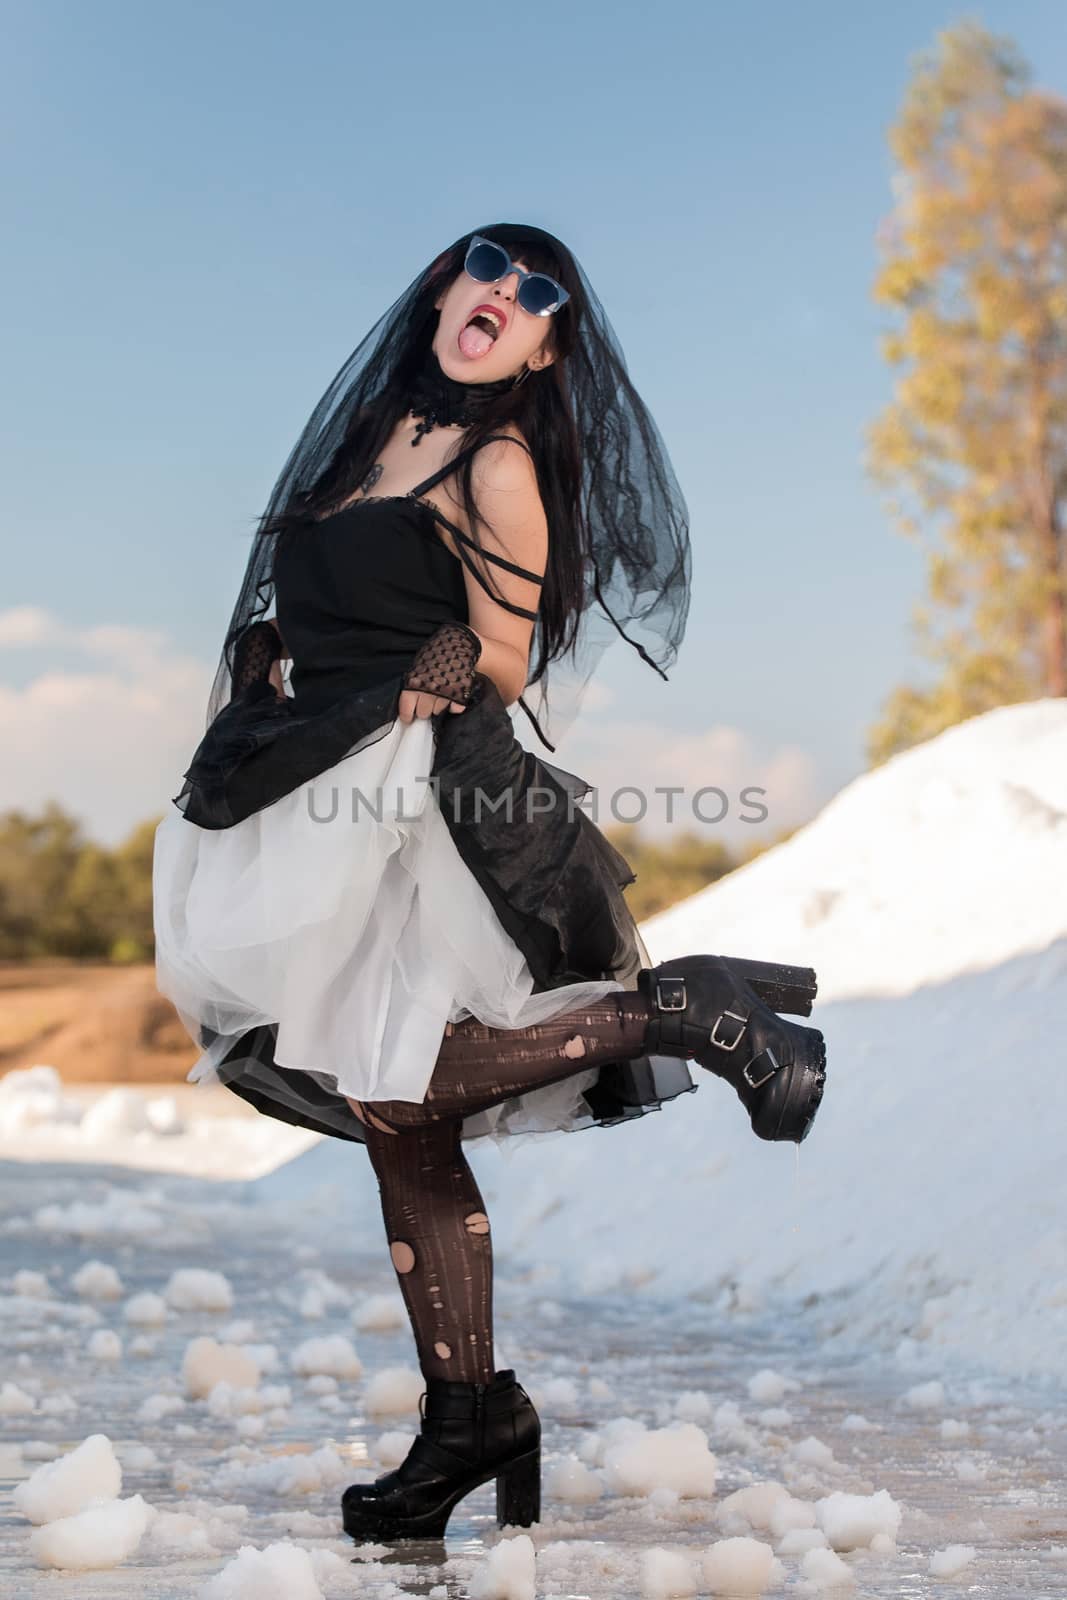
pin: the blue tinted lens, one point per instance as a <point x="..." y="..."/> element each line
<point x="487" y="262"/>
<point x="538" y="294"/>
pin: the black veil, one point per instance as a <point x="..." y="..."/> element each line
<point x="627" y="518"/>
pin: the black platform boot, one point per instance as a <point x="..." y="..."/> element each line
<point x="470" y="1432"/>
<point x="704" y="1008"/>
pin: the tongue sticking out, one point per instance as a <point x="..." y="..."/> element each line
<point x="474" y="341"/>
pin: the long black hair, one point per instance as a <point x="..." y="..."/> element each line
<point x="618" y="536"/>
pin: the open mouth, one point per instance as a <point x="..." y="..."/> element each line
<point x="480" y="333"/>
<point x="487" y="320"/>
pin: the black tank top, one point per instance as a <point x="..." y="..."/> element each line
<point x="358" y="591"/>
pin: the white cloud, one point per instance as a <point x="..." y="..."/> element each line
<point x="109" y="743"/>
<point x="620" y="755"/>
<point x="28" y="625"/>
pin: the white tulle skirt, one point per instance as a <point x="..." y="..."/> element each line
<point x="344" y="915"/>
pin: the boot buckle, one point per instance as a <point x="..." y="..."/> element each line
<point x="670" y="994"/>
<point x="775" y="1066"/>
<point x="729" y="1044"/>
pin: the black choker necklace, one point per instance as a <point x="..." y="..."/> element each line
<point x="442" y="401"/>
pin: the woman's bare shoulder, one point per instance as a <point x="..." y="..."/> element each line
<point x="499" y="464"/>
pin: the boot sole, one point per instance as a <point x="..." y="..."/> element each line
<point x="804" y="1079"/>
<point x="803" y="1095"/>
<point x="518" y="1503"/>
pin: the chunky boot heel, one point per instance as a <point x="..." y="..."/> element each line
<point x="703" y="1009"/>
<point x="470" y="1432"/>
<point x="781" y="987"/>
<point x="518" y="1492"/>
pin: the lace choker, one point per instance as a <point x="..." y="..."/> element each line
<point x="441" y="401"/>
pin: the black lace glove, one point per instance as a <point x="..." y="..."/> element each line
<point x="445" y="663"/>
<point x="254" y="654"/>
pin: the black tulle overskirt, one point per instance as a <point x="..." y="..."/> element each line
<point x="554" y="883"/>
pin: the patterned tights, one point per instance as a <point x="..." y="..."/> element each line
<point x="435" y="1217"/>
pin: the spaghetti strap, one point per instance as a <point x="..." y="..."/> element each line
<point x="520" y="611"/>
<point x="465" y="538"/>
<point x="501" y="561"/>
<point x="450" y="466"/>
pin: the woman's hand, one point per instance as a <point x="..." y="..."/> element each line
<point x="441" y="676"/>
<point x="414" y="704"/>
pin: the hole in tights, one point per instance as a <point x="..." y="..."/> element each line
<point x="403" y="1255"/>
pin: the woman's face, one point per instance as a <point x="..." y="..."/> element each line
<point x="471" y="353"/>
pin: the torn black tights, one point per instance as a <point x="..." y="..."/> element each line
<point x="438" y="1234"/>
<point x="478" y="1066"/>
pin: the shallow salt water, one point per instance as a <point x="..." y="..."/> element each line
<point x="999" y="1488"/>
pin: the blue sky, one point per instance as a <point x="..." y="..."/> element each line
<point x="209" y="205"/>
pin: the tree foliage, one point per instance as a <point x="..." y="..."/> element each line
<point x="972" y="449"/>
<point x="63" y="895"/>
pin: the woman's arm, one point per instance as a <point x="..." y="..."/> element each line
<point x="274" y="624"/>
<point x="506" y="490"/>
<point x="508" y="496"/>
<point x="256" y="657"/>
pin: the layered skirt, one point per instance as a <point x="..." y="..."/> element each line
<point x="333" y="887"/>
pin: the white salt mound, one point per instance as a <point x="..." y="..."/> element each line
<point x="786" y="1515"/>
<point x="104" y="1345"/>
<point x="594" y="1446"/>
<point x="826" y="1570"/>
<point x="572" y="1481"/>
<point x="14" y="1400"/>
<point x="741" y="1566"/>
<point x="164" y="1116"/>
<point x="851" y="1521"/>
<point x="507" y="1573"/>
<point x="391" y="1447"/>
<point x="665" y="1573"/>
<point x="119" y="1111"/>
<point x="64" y="1487"/>
<point x="751" y="1507"/>
<point x="198" y="1289"/>
<point x="692" y="1405"/>
<point x="768" y="1387"/>
<point x="156" y="1406"/>
<point x="926" y="1396"/>
<point x="675" y="1458"/>
<point x="380" y="1312"/>
<point x="333" y="1354"/>
<point x="34" y="1285"/>
<point x="282" y="1571"/>
<point x="813" y="1452"/>
<point x="394" y="1391"/>
<point x="207" y="1363"/>
<point x="100" y="1536"/>
<point x="146" y="1309"/>
<point x="799" y="1540"/>
<point x="33" y="1097"/>
<point x="949" y="1563"/>
<point x="97" y="1281"/>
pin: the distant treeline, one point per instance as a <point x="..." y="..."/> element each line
<point x="61" y="894"/>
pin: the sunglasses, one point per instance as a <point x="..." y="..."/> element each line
<point x="487" y="262"/>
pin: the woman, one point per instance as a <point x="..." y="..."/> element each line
<point x="376" y="912"/>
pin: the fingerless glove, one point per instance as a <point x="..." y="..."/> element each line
<point x="255" y="652"/>
<point x="445" y="663"/>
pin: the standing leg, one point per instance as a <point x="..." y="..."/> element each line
<point x="439" y="1240"/>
